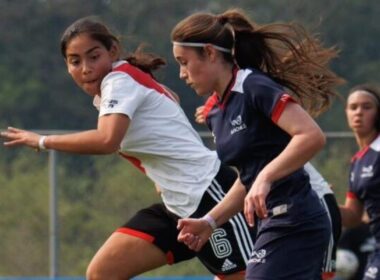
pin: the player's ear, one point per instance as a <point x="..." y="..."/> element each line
<point x="114" y="52"/>
<point x="210" y="52"/>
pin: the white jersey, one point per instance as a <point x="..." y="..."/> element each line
<point x="317" y="182"/>
<point x="160" y="140"/>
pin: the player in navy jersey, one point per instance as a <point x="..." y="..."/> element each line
<point x="140" y="119"/>
<point x="255" y="74"/>
<point x="322" y="189"/>
<point x="363" y="117"/>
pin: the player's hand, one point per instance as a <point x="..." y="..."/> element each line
<point x="254" y="201"/>
<point x="199" y="116"/>
<point x="18" y="137"/>
<point x="194" y="233"/>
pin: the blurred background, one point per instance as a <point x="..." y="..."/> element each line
<point x="97" y="194"/>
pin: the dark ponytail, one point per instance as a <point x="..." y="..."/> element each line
<point x="285" y="52"/>
<point x="147" y="62"/>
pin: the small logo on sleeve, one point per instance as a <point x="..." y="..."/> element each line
<point x="110" y="103"/>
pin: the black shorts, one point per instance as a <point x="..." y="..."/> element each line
<point x="330" y="204"/>
<point x="228" y="249"/>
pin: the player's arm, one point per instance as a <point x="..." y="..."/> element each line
<point x="199" y="115"/>
<point x="105" y="139"/>
<point x="231" y="204"/>
<point x="306" y="140"/>
<point x="351" y="212"/>
<point x="195" y="232"/>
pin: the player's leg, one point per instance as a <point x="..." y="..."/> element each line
<point x="147" y="241"/>
<point x="123" y="256"/>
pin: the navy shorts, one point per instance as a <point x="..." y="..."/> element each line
<point x="228" y="249"/>
<point x="372" y="270"/>
<point x="293" y="252"/>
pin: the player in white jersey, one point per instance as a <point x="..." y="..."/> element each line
<point x="140" y="119"/>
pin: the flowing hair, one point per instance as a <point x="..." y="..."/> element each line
<point x="284" y="51"/>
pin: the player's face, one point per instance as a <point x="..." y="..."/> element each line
<point x="362" y="112"/>
<point x="88" y="62"/>
<point x="196" y="70"/>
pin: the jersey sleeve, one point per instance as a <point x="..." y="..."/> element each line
<point x="120" y="94"/>
<point x="267" y="96"/>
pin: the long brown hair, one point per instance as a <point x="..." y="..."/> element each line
<point x="98" y="31"/>
<point x="286" y="52"/>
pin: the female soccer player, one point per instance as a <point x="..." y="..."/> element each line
<point x="140" y="119"/>
<point x="202" y="229"/>
<point x="262" y="131"/>
<point x="363" y="117"/>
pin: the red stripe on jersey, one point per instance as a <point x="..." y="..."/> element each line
<point x="210" y="103"/>
<point x="135" y="161"/>
<point x="136" y="233"/>
<point x="351" y="195"/>
<point x="280" y="106"/>
<point x="360" y="154"/>
<point x="143" y="78"/>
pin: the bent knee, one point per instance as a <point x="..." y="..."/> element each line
<point x="94" y="273"/>
<point x="98" y="272"/>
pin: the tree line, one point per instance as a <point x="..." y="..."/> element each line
<point x="97" y="194"/>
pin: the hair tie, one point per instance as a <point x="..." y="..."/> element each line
<point x="222" y="19"/>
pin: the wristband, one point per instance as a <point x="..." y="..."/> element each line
<point x="41" y="143"/>
<point x="210" y="220"/>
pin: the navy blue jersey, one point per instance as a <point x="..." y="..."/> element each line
<point x="365" y="183"/>
<point x="247" y="136"/>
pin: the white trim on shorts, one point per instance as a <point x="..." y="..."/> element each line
<point x="327" y="260"/>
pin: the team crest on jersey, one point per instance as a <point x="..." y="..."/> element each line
<point x="258" y="256"/>
<point x="367" y="171"/>
<point x="237" y="124"/>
